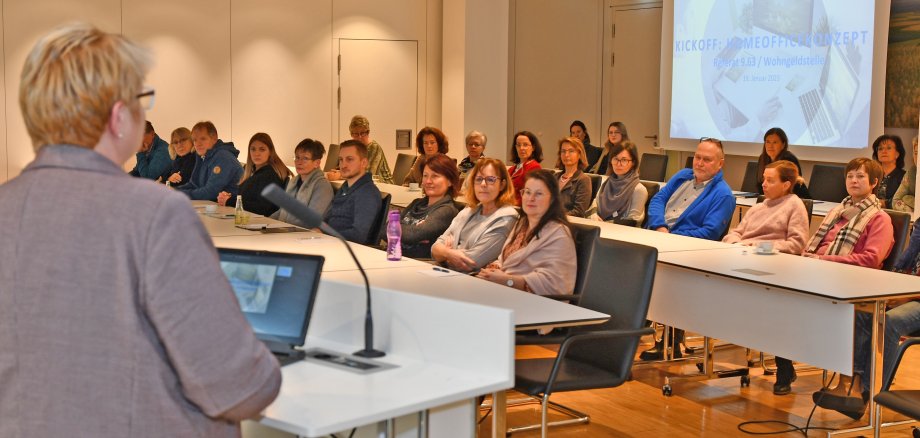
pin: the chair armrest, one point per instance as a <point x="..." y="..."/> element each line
<point x="901" y="350"/>
<point x="584" y="336"/>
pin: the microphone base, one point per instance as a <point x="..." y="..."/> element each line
<point x="369" y="353"/>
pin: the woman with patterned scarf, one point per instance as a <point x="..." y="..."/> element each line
<point x="860" y="233"/>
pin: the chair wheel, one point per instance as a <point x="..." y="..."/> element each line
<point x="750" y="364"/>
<point x="745" y="381"/>
<point x="666" y="390"/>
<point x="915" y="432"/>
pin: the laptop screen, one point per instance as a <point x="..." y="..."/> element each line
<point x="275" y="291"/>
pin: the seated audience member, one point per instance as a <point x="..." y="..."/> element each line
<point x="775" y="148"/>
<point x="357" y="202"/>
<point x="428" y="143"/>
<point x="888" y="151"/>
<point x="216" y="166"/>
<point x="616" y="134"/>
<point x="539" y="254"/>
<point x="526" y="154"/>
<point x="263" y="167"/>
<point x="310" y="185"/>
<point x="592" y="153"/>
<point x="126" y="326"/>
<point x="425" y="219"/>
<point x="621" y="198"/>
<point x="782" y="220"/>
<point x="475" y="147"/>
<point x="153" y="156"/>
<point x="903" y="199"/>
<point x="857" y="232"/>
<point x="475" y="236"/>
<point x="360" y="129"/>
<point x="696" y="202"/>
<point x="574" y="185"/>
<point x="183" y="163"/>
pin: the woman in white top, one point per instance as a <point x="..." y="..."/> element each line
<point x="621" y="198"/>
<point x="475" y="236"/>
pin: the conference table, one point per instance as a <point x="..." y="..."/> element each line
<point x="449" y="335"/>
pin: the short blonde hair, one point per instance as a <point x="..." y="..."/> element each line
<point x="71" y="80"/>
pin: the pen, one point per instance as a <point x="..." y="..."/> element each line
<point x="439" y="269"/>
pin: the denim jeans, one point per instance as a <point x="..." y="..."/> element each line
<point x="899" y="321"/>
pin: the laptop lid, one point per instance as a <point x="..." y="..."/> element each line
<point x="276" y="291"/>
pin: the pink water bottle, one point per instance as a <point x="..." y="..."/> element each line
<point x="394" y="235"/>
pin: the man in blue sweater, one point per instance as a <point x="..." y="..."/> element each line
<point x="696" y="202"/>
<point x="153" y="156"/>
<point x="216" y="167"/>
<point x="357" y="202"/>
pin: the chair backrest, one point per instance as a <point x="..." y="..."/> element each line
<point x="595" y="184"/>
<point x="749" y="184"/>
<point x="828" y="182"/>
<point x="689" y="162"/>
<point x="379" y="226"/>
<point x="653" y="167"/>
<point x="402" y="167"/>
<point x="809" y="205"/>
<point x="332" y="158"/>
<point x="901" y="222"/>
<point x="652" y="189"/>
<point x="624" y="294"/>
<point x="585" y="238"/>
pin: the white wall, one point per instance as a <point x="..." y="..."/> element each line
<point x="246" y="65"/>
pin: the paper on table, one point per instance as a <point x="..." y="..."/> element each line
<point x="439" y="272"/>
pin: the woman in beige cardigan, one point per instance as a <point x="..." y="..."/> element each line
<point x="539" y="254"/>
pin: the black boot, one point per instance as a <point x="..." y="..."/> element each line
<point x="657" y="352"/>
<point x="785" y="375"/>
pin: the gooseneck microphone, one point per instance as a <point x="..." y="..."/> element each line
<point x="312" y="219"/>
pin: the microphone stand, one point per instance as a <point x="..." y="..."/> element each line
<point x="311" y="219"/>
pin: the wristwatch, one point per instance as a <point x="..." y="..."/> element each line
<point x="510" y="282"/>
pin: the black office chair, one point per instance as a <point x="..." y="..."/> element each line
<point x="586" y="237"/>
<point x="903" y="401"/>
<point x="332" y="158"/>
<point x="689" y="162"/>
<point x="828" y="183"/>
<point x="402" y="167"/>
<point x="598" y="356"/>
<point x="652" y="189"/>
<point x="749" y="184"/>
<point x="595" y="184"/>
<point x="653" y="167"/>
<point x="901" y="223"/>
<point x="378" y="229"/>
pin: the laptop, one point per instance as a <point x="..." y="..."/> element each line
<point x="276" y="292"/>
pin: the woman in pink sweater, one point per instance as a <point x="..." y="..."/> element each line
<point x="781" y="218"/>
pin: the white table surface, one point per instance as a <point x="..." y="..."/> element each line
<point x="400" y="196"/>
<point x="662" y="241"/>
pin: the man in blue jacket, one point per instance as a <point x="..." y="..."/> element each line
<point x="216" y="167"/>
<point x="153" y="156"/>
<point x="696" y="202"/>
<point x="357" y="202"/>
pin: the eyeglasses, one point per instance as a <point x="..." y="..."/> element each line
<point x="360" y="134"/>
<point x="488" y="180"/>
<point x="302" y="159"/>
<point x="179" y="141"/>
<point x="711" y="140"/>
<point x="526" y="193"/>
<point x="145" y="98"/>
<point x="621" y="161"/>
<point x="567" y="151"/>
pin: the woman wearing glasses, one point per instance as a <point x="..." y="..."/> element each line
<point x="474" y="237"/>
<point x="616" y="134"/>
<point x="427" y="218"/>
<point x="180" y="148"/>
<point x="539" y="255"/>
<point x="621" y="198"/>
<point x="574" y="185"/>
<point x="310" y="185"/>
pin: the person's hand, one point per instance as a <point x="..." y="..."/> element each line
<point x="222" y="198"/>
<point x="458" y="260"/>
<point x="494" y="275"/>
<point x="811" y="255"/>
<point x="663" y="230"/>
<point x="334" y="175"/>
<point x="176" y="178"/>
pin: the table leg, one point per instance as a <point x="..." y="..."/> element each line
<point x="499" y="408"/>
<point x="423" y="424"/>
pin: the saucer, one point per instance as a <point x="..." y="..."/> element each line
<point x="759" y="252"/>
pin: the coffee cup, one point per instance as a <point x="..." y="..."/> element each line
<point x="413" y="187"/>
<point x="211" y="208"/>
<point x="765" y="247"/>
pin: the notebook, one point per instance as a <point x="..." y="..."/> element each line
<point x="276" y="292"/>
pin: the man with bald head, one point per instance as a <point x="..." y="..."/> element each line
<point x="696" y="202"/>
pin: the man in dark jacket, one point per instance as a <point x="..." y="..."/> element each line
<point x="355" y="206"/>
<point x="153" y="156"/>
<point x="216" y="168"/>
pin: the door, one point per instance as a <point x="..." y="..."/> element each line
<point x="631" y="76"/>
<point x="379" y="80"/>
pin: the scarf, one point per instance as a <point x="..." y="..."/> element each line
<point x="615" y="194"/>
<point x="857" y="216"/>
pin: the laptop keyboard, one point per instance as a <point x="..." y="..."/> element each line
<point x="818" y="123"/>
<point x="287" y="359"/>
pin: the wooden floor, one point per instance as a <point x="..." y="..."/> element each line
<point x="705" y="409"/>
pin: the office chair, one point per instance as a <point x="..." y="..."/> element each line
<point x="903" y="401"/>
<point x="652" y="189"/>
<point x="901" y="223"/>
<point x="402" y="167"/>
<point x="332" y="158"/>
<point x="596" y="181"/>
<point x="598" y="356"/>
<point x="653" y="167"/>
<point x="378" y="229"/>
<point x="828" y="183"/>
<point x="749" y="183"/>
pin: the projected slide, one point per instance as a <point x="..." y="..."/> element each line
<point x="252" y="284"/>
<point x="743" y="66"/>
